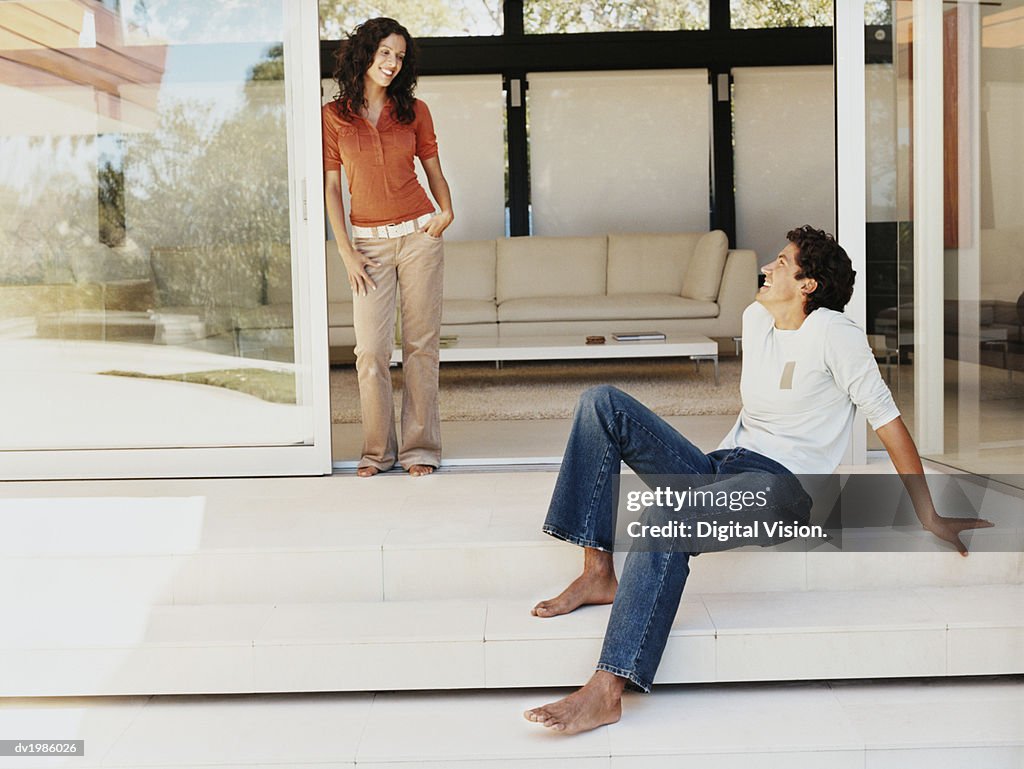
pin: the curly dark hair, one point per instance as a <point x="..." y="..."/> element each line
<point x="823" y="259"/>
<point x="355" y="56"/>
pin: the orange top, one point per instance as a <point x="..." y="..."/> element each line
<point x="378" y="162"/>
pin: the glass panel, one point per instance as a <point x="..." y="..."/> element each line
<point x="785" y="154"/>
<point x="981" y="307"/>
<point x="889" y="241"/>
<point x="554" y="16"/>
<point x="423" y="18"/>
<point x="145" y="237"/>
<point x="761" y="14"/>
<point x="660" y="185"/>
<point x="983" y="52"/>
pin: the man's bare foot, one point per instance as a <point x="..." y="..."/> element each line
<point x="592" y="587"/>
<point x="588" y="589"/>
<point x="367" y="472"/>
<point x="599" y="702"/>
<point x="417" y="470"/>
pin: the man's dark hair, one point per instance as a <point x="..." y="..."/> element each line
<point x="824" y="260"/>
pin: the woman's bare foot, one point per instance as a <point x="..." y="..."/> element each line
<point x="367" y="472"/>
<point x="417" y="470"/>
<point x="596" y="585"/>
<point x="599" y="702"/>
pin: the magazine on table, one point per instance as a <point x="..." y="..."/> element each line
<point x="639" y="336"/>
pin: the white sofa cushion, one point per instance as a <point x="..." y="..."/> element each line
<point x="530" y="267"/>
<point x="339" y="313"/>
<point x="468" y="311"/>
<point x="598" y="308"/>
<point x="649" y="263"/>
<point x="469" y="269"/>
<point x="704" y="271"/>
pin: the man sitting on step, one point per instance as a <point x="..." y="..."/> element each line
<point x="806" y="368"/>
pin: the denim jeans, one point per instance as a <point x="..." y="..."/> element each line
<point x="610" y="427"/>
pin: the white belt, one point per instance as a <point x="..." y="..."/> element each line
<point x="391" y="230"/>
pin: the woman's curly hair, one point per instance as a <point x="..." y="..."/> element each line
<point x="354" y="58"/>
<point x="824" y="260"/>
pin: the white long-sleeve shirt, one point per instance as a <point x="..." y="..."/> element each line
<point x="800" y="389"/>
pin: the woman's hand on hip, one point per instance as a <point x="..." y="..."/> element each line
<point x="438" y="223"/>
<point x="356" y="263"/>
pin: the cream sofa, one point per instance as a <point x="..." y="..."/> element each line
<point x="679" y="282"/>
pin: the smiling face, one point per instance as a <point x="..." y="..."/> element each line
<point x="782" y="288"/>
<point x="387" y="62"/>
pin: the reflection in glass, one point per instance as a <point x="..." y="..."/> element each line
<point x="762" y="14"/>
<point x="982" y="309"/>
<point x="423" y="18"/>
<point x="145" y="226"/>
<point x="556" y="16"/>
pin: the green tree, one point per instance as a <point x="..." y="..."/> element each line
<point x="557" y="16"/>
<point x="423" y="18"/>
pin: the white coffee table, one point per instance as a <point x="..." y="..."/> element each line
<point x="697" y="348"/>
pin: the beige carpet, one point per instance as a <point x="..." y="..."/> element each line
<point x="549" y="389"/>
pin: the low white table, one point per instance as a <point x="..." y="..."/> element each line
<point x="498" y="349"/>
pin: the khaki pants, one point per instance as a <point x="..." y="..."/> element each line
<point x="411" y="267"/>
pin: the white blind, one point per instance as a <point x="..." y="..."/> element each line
<point x="619" y="151"/>
<point x="785" y="154"/>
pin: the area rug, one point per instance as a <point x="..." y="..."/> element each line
<point x="473" y="392"/>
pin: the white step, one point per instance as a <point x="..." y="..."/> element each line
<point x="844" y="725"/>
<point x="96" y="650"/>
<point x="482" y="543"/>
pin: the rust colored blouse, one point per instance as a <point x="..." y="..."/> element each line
<point x="379" y="163"/>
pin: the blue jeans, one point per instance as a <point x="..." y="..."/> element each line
<point x="610" y="427"/>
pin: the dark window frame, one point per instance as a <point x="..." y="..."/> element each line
<point x="718" y="49"/>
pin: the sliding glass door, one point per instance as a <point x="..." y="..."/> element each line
<point x="160" y="300"/>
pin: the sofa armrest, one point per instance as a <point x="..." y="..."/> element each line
<point x="737" y="291"/>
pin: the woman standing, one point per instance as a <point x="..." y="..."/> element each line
<point x="374" y="128"/>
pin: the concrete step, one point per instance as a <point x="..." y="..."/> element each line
<point x="373" y="646"/>
<point x="191" y="550"/>
<point x="838" y="725"/>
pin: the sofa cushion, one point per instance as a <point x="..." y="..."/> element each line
<point x="599" y="308"/>
<point x="704" y="271"/>
<point x="646" y="263"/>
<point x="469" y="311"/>
<point x="469" y="270"/>
<point x="339" y="314"/>
<point x="530" y="267"/>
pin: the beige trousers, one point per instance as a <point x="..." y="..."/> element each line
<point x="411" y="267"/>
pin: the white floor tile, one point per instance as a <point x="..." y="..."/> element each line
<point x="278" y="577"/>
<point x="866" y="571"/>
<point x="818" y="759"/>
<point x="469" y="726"/>
<point x="99" y="722"/>
<point x="735" y="719"/>
<point x="946" y="758"/>
<point x="364" y="623"/>
<point x="250" y="731"/>
<point x="817" y="611"/>
<point x="374" y="646"/>
<point x="967" y="714"/>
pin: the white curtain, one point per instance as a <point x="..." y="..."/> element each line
<point x="619" y="151"/>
